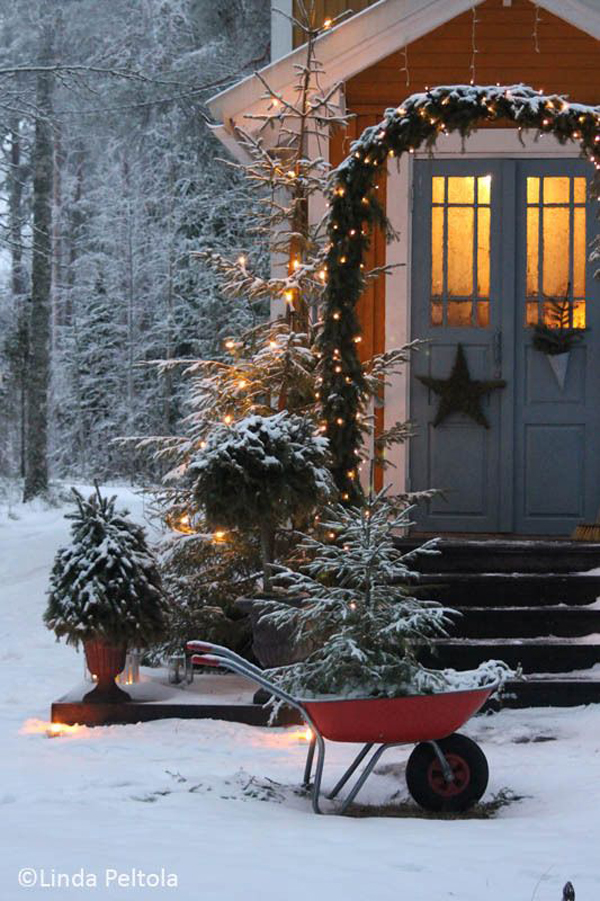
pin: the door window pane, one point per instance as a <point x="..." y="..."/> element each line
<point x="557" y="190"/>
<point x="556" y="251"/>
<point x="437" y="251"/>
<point x="484" y="189"/>
<point x="460" y="251"/>
<point x="483" y="251"/>
<point x="461" y="190"/>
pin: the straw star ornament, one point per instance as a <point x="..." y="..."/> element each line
<point x="460" y="393"/>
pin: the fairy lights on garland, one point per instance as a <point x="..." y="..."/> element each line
<point x="354" y="210"/>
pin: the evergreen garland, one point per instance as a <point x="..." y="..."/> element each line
<point x="557" y="335"/>
<point x="106" y="583"/>
<point x="354" y="210"/>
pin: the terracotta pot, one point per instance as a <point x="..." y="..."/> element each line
<point x="105" y="661"/>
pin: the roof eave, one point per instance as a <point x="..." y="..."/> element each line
<point x="344" y="51"/>
<point x="361" y="41"/>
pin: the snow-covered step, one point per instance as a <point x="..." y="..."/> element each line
<point x="468" y="555"/>
<point x="546" y="654"/>
<point x="527" y="622"/>
<point x="510" y="589"/>
<point x="553" y="690"/>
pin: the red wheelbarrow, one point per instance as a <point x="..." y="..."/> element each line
<point x="445" y="772"/>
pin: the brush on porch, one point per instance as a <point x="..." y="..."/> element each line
<point x="588" y="531"/>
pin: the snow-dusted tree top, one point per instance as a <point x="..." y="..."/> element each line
<point x="354" y="209"/>
<point x="261" y="467"/>
<point x="138" y="186"/>
<point x="105" y="583"/>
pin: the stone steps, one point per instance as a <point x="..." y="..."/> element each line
<point x="510" y="589"/>
<point x="505" y="556"/>
<point x="553" y="692"/>
<point x="526" y="622"/>
<point x="533" y="655"/>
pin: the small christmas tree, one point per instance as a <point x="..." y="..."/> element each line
<point x="361" y="611"/>
<point x="105" y="585"/>
<point x="259" y="473"/>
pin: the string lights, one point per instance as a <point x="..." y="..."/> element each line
<point x="474" y="50"/>
<point x="536" y="30"/>
<point x="355" y="209"/>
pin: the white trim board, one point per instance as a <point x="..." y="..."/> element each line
<point x="500" y="142"/>
<point x="281" y="28"/>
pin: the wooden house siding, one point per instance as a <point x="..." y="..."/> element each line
<point x="371" y="309"/>
<point x="510" y="48"/>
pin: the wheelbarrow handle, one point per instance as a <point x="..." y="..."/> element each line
<point x="240" y="666"/>
<point x="206" y="647"/>
<point x="206" y="660"/>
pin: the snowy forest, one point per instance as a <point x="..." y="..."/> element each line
<point x="111" y="180"/>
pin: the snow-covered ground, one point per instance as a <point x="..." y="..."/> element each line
<point x="214" y="804"/>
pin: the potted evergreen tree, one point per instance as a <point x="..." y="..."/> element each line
<point x="105" y="591"/>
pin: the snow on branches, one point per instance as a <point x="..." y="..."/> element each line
<point x="360" y="614"/>
<point x="260" y="473"/>
<point x="106" y="583"/>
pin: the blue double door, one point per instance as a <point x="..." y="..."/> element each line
<point x="500" y="255"/>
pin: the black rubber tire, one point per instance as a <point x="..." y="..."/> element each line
<point x="425" y="781"/>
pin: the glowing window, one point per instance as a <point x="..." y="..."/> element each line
<point x="556" y="251"/>
<point x="460" y="251"/>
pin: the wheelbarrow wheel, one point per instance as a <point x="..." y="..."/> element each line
<point x="426" y="781"/>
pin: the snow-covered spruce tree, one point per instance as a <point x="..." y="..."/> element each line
<point x="275" y="365"/>
<point x="259" y="473"/>
<point x="271" y="366"/>
<point x="361" y="612"/>
<point x="105" y="584"/>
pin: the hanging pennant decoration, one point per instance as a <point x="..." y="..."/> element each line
<point x="559" y="364"/>
<point x="460" y="393"/>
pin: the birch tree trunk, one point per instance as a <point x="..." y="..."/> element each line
<point x="15" y="225"/>
<point x="38" y="376"/>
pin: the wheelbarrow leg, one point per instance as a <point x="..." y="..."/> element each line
<point x="318" y="772"/>
<point x="350" y="771"/>
<point x="446" y="768"/>
<point x="309" y="761"/>
<point x="366" y="773"/>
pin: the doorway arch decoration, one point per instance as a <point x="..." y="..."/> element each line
<point x="354" y="211"/>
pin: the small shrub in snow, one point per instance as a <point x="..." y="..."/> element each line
<point x="361" y="608"/>
<point x="106" y="583"/>
<point x="259" y="473"/>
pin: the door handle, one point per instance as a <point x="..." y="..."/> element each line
<point x="497" y="353"/>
